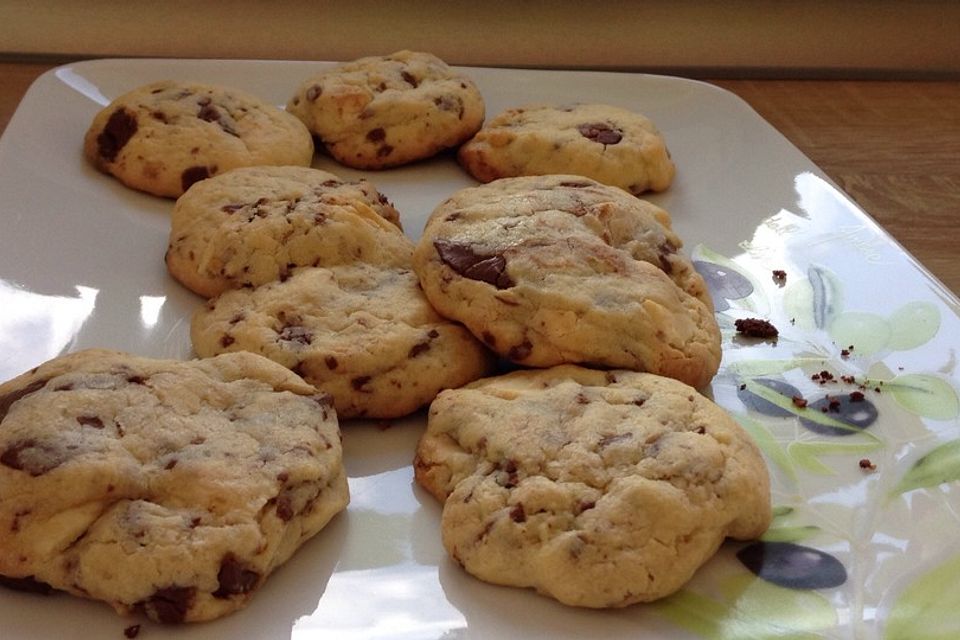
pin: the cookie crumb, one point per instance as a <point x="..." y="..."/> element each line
<point x="856" y="396"/>
<point x="132" y="631"/>
<point x="799" y="402"/>
<point x="756" y="328"/>
<point x="867" y="465"/>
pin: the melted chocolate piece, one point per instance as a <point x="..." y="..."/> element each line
<point x="475" y="266"/>
<point x="295" y="333"/>
<point x="409" y="79"/>
<point x="376" y="135"/>
<point x="170" y="604"/>
<point x="7" y="401"/>
<point x="192" y="175"/>
<point x="600" y="132"/>
<point x="31" y="457"/>
<point x="234" y="578"/>
<point x="793" y="566"/>
<point x="120" y="127"/>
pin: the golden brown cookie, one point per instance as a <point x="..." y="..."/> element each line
<point x="549" y="270"/>
<point x="365" y="334"/>
<point x="597" y="488"/>
<point x="384" y="111"/>
<point x="167" y="487"/>
<point x="253" y="225"/>
<point x="165" y="136"/>
<point x="609" y="144"/>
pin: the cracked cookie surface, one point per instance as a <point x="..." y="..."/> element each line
<point x="609" y="144"/>
<point x="168" y="487"/>
<point x="165" y="136"/>
<point x="384" y="111"/>
<point x="364" y="334"/>
<point x="253" y="225"/>
<point x="560" y="269"/>
<point x="596" y="488"/>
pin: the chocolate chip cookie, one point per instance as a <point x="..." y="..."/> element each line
<point x="384" y="111"/>
<point x="598" y="489"/>
<point x="609" y="144"/>
<point x="252" y="225"/>
<point x="364" y="334"/>
<point x="561" y="269"/>
<point x="163" y="137"/>
<point x="167" y="487"/>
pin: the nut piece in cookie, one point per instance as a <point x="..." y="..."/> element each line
<point x="167" y="487"/>
<point x="384" y="111"/>
<point x="596" y="488"/>
<point x="253" y="225"/>
<point x="165" y="136"/>
<point x="364" y="334"/>
<point x="609" y="144"/>
<point x="549" y="270"/>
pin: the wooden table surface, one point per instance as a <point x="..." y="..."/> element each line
<point x="894" y="146"/>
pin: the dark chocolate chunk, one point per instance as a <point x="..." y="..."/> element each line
<point x="517" y="514"/>
<point x="409" y="79"/>
<point x="192" y="175"/>
<point x="284" y="507"/>
<point x="384" y="151"/>
<point x="32" y="457"/>
<point x="7" y="401"/>
<point x="234" y="578"/>
<point x="226" y="340"/>
<point x="169" y="605"/>
<point x="132" y="631"/>
<point x="600" y="132"/>
<point x="376" y="135"/>
<point x="489" y="268"/>
<point x="120" y="127"/>
<point x="314" y="92"/>
<point x="331" y="362"/>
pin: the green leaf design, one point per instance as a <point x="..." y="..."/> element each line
<point x="807" y="454"/>
<point x="754" y="609"/>
<point x="790" y="534"/>
<point x="868" y="333"/>
<point x="814" y="302"/>
<point x="757" y="368"/>
<point x="912" y="325"/>
<point x="925" y="395"/>
<point x="769" y="445"/>
<point x="812" y="415"/>
<point x="781" y="511"/>
<point x="929" y="608"/>
<point x="938" y="466"/>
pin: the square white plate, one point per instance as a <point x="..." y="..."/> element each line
<point x="81" y="265"/>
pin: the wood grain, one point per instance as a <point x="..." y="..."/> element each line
<point x="893" y="146"/>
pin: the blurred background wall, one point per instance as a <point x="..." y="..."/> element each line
<point x="800" y="38"/>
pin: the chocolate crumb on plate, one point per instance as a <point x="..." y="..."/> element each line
<point x="780" y="276"/>
<point x="756" y="328"/>
<point x="867" y="465"/>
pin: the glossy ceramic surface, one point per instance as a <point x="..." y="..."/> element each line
<point x="864" y="544"/>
